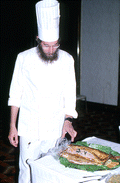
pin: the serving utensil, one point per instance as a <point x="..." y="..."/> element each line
<point x="98" y="179"/>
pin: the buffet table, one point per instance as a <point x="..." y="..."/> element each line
<point x="49" y="170"/>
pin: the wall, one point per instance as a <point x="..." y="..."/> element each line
<point x="100" y="50"/>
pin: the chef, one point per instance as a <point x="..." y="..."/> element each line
<point x="43" y="92"/>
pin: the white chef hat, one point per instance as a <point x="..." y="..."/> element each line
<point x="48" y="15"/>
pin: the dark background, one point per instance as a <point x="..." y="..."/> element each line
<point x="18" y="33"/>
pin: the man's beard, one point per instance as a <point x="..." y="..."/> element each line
<point x="46" y="58"/>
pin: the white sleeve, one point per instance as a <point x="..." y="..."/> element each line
<point x="70" y="89"/>
<point x="16" y="87"/>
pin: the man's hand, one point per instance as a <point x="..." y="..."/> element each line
<point x="68" y="128"/>
<point x="13" y="136"/>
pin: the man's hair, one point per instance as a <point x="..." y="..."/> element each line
<point x="38" y="40"/>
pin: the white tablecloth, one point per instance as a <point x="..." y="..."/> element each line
<point x="49" y="170"/>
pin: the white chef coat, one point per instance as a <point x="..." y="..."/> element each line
<point x="44" y="92"/>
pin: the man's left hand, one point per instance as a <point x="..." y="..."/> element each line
<point x="68" y="128"/>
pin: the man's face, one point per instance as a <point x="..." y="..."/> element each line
<point x="49" y="50"/>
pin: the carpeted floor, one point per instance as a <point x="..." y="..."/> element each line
<point x="7" y="163"/>
<point x="100" y="122"/>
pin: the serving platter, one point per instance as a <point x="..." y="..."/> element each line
<point x="91" y="168"/>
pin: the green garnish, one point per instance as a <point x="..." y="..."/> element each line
<point x="78" y="150"/>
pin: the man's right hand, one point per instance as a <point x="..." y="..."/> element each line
<point x="13" y="136"/>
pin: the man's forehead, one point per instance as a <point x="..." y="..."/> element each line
<point x="50" y="43"/>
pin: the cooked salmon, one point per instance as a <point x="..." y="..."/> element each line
<point x="87" y="155"/>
